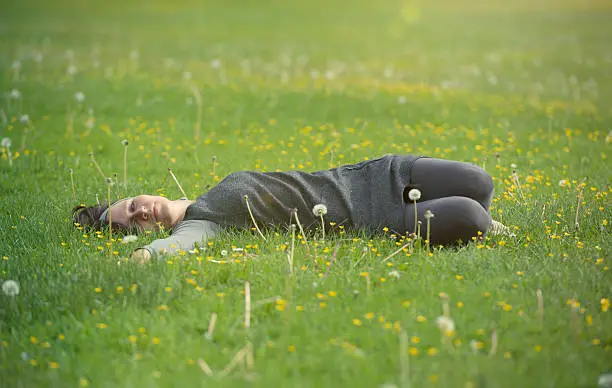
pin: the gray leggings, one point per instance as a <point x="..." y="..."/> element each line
<point x="458" y="194"/>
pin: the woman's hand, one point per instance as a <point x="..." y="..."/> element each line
<point x="141" y="256"/>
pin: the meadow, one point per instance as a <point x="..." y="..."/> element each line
<point x="206" y="88"/>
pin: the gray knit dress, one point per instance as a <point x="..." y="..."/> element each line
<point x="367" y="196"/>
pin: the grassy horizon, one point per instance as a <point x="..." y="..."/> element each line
<point x="520" y="89"/>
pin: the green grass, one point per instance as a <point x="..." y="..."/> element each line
<point x="497" y="84"/>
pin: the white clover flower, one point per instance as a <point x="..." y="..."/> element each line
<point x="319" y="210"/>
<point x="223" y="252"/>
<point x="414" y="194"/>
<point x="129" y="239"/>
<point x="15" y="94"/>
<point x="6" y="142"/>
<point x="10" y="288"/>
<point x="445" y="324"/>
<point x="394" y="274"/>
<point x="79" y="96"/>
<point x="24" y="119"/>
<point x="428" y="214"/>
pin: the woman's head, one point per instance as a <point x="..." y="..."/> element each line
<point x="144" y="212"/>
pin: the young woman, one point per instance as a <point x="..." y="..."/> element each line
<point x="369" y="196"/>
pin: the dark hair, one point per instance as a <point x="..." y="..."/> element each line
<point x="88" y="217"/>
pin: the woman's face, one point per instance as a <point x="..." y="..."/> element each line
<point x="145" y="212"/>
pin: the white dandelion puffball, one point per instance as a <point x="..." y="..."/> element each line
<point x="428" y="214"/>
<point x="79" y="96"/>
<point x="125" y="142"/>
<point x="605" y="381"/>
<point x="562" y="183"/>
<point x="6" y="142"/>
<point x="10" y="288"/>
<point x="224" y="253"/>
<point x="24" y="119"/>
<point x="445" y="324"/>
<point x="414" y="194"/>
<point x="319" y="210"/>
<point x="129" y="239"/>
<point x="394" y="274"/>
<point x="15" y="94"/>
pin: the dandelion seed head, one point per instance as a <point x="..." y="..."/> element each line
<point x="79" y="96"/>
<point x="319" y="210"/>
<point x="224" y="252"/>
<point x="71" y="70"/>
<point x="445" y="324"/>
<point x="24" y="119"/>
<point x="215" y="63"/>
<point x="414" y="194"/>
<point x="125" y="142"/>
<point x="10" y="288"/>
<point x="6" y="142"/>
<point x="394" y="274"/>
<point x="15" y="94"/>
<point x="429" y="214"/>
<point x="109" y="181"/>
<point x="129" y="239"/>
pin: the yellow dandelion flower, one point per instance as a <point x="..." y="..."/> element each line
<point x="155" y="341"/>
<point x="53" y="365"/>
<point x="413" y="351"/>
<point x="432" y="351"/>
<point x="101" y="325"/>
<point x="421" y="319"/>
<point x="132" y="338"/>
<point x="357" y="322"/>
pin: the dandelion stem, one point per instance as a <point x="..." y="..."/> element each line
<point x="117" y="183"/>
<point x="331" y="158"/>
<point x="96" y="165"/>
<point x="428" y="234"/>
<point x="368" y="284"/>
<point x="246" y="199"/>
<point x="237" y="358"/>
<point x="494" y="343"/>
<point x="290" y="257"/>
<point x="177" y="182"/>
<point x="515" y="177"/>
<point x="540" y="306"/>
<point x="205" y="368"/>
<point x="322" y="227"/>
<point x="211" y="326"/>
<point x="398" y="251"/>
<point x="247" y="305"/>
<point x="110" y="218"/>
<point x="214" y="166"/>
<point x="415" y="217"/>
<point x="297" y="220"/>
<point x="72" y="184"/>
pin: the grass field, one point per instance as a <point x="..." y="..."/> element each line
<point x="521" y="88"/>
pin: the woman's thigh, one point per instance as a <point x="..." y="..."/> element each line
<point x="439" y="178"/>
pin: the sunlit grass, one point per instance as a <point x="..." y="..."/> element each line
<point x="520" y="89"/>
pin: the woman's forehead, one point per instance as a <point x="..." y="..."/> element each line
<point x="119" y="211"/>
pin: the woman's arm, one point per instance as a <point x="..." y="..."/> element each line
<point x="184" y="236"/>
